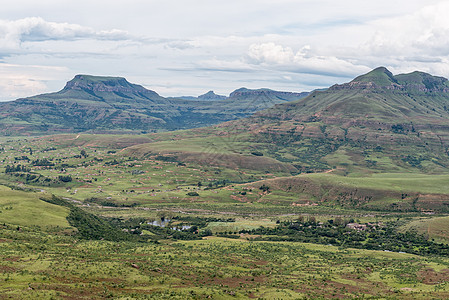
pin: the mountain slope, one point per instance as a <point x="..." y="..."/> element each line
<point x="209" y="96"/>
<point x="376" y="122"/>
<point x="112" y="104"/>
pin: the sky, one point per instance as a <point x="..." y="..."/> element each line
<point x="188" y="47"/>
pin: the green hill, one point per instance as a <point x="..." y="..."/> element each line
<point x="377" y="122"/>
<point x="112" y="104"/>
<point x="26" y="209"/>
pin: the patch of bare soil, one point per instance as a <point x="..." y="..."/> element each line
<point x="431" y="277"/>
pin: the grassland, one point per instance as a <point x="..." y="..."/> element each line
<point x="133" y="186"/>
<point x="433" y="227"/>
<point x="64" y="267"/>
<point x="26" y="209"/>
<point x="399" y="182"/>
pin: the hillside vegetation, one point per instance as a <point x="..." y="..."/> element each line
<point x="342" y="194"/>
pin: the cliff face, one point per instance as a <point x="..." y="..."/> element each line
<point x="103" y="84"/>
<point x="98" y="103"/>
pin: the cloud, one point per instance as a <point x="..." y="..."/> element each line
<point x="278" y="57"/>
<point x="26" y="80"/>
<point x="270" y="53"/>
<point x="184" y="45"/>
<point x="14" y="33"/>
<point x="179" y="45"/>
<point x="224" y="66"/>
<point x="421" y="34"/>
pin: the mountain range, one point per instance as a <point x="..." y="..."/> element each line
<point x="378" y="121"/>
<point x="112" y="104"/>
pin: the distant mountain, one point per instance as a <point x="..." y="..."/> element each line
<point x="112" y="104"/>
<point x="378" y="122"/>
<point x="377" y="98"/>
<point x="209" y="96"/>
<point x="264" y="98"/>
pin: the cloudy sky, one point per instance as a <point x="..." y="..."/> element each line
<point x="187" y="47"/>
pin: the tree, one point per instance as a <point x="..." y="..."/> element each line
<point x="207" y="232"/>
<point x="84" y="154"/>
<point x="265" y="188"/>
<point x="65" y="178"/>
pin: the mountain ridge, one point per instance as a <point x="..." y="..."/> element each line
<point x="377" y="122"/>
<point x="381" y="77"/>
<point x="112" y="104"/>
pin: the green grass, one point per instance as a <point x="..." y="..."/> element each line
<point x="433" y="227"/>
<point x="26" y="209"/>
<point x="36" y="264"/>
<point x="215" y="267"/>
<point x="400" y="182"/>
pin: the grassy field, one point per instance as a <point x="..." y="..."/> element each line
<point x="214" y="267"/>
<point x="400" y="182"/>
<point x="433" y="227"/>
<point x="26" y="209"/>
<point x="45" y="259"/>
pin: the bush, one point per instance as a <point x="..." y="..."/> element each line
<point x="65" y="178"/>
<point x="257" y="153"/>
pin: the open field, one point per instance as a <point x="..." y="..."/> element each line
<point x="242" y="229"/>
<point x="399" y="182"/>
<point x="435" y="228"/>
<point x="26" y="209"/>
<point x="219" y="268"/>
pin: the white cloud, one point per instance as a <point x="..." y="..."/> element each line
<point x="278" y="57"/>
<point x="418" y="36"/>
<point x="181" y="46"/>
<point x="26" y="80"/>
<point x="13" y="33"/>
<point x="271" y="53"/>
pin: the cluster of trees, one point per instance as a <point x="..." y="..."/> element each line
<point x="16" y="168"/>
<point x="335" y="232"/>
<point x="23" y="157"/>
<point x="191" y="231"/>
<point x="106" y="202"/>
<point x="216" y="184"/>
<point x="199" y="222"/>
<point x="169" y="233"/>
<point x="42" y="163"/>
<point x="264" y="188"/>
<point x="65" y="178"/>
<point x="91" y="226"/>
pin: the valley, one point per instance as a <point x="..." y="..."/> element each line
<point x="340" y="194"/>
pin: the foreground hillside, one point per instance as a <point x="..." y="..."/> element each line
<point x="43" y="266"/>
<point x="112" y="104"/>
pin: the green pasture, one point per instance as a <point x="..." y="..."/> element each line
<point x="26" y="209"/>
<point x="399" y="182"/>
<point x="433" y="227"/>
<point x="217" y="268"/>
